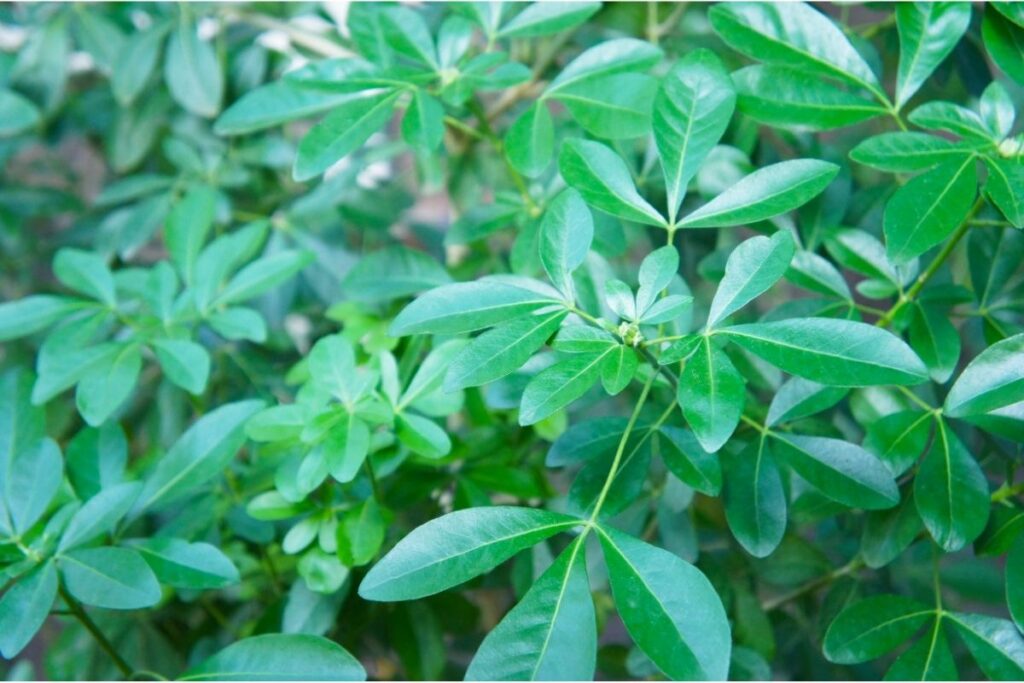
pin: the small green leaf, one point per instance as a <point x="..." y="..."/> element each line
<point x="275" y="103"/>
<point x="869" y="628"/>
<point x="1015" y="582"/>
<point x="530" y="141"/>
<point x="86" y="273"/>
<point x="184" y="362"/>
<point x="32" y="476"/>
<point x="929" y="659"/>
<point x="279" y="657"/>
<point x="346" y="447"/>
<point x="546" y="18"/>
<point x="17" y="113"/>
<point x="604" y="181"/>
<point x="342" y="132"/>
<point x="191" y="566"/>
<point x="113" y="578"/>
<point x="936" y="341"/>
<point x="137" y="60"/>
<point x="422" y="436"/>
<point x="565" y="236"/>
<point x="105" y="387"/>
<point x="899" y="439"/>
<point x="454" y="548"/>
<point x="906" y="152"/>
<point x="753" y="267"/>
<point x="613" y="107"/>
<point x="608" y="57"/>
<point x="755" y="502"/>
<point x="557" y="386"/>
<point x="423" y="123"/>
<point x="24" y="608"/>
<point x="262" y="275"/>
<point x="689" y="462"/>
<point x="187" y="227"/>
<point x="193" y="72"/>
<point x="711" y="394"/>
<point x="1004" y="188"/>
<point x="995" y="378"/>
<point x="99" y="515"/>
<point x="928" y="33"/>
<point x="618" y="369"/>
<point x="361" y="533"/>
<point x="799" y="398"/>
<point x="996" y="645"/>
<point x="887" y="533"/>
<point x="96" y="459"/>
<point x="33" y="313"/>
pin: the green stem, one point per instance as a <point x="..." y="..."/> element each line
<point x="83" y="617"/>
<point x="811" y="586"/>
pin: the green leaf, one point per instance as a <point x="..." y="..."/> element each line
<point x="792" y="34"/>
<point x="184" y="362"/>
<point x="239" y="323"/>
<point x="190" y="566"/>
<point x="831" y="351"/>
<point x="614" y="107"/>
<point x="342" y="132"/>
<point x="994" y="379"/>
<point x="410" y="271"/>
<point x="468" y="306"/>
<point x="1003" y="188"/>
<point x="86" y="273"/>
<point x="200" y="454"/>
<point x="105" y="388"/>
<point x="113" y="578"/>
<point x="997" y="110"/>
<point x="24" y="608"/>
<point x="869" y="628"/>
<point x="1004" y="42"/>
<point x="691" y="112"/>
<point x="689" y="462"/>
<point x="33" y="313"/>
<point x="346" y="448"/>
<point x="17" y="114"/>
<point x="361" y="533"/>
<point x="565" y="236"/>
<point x="755" y="502"/>
<point x="711" y="394"/>
<point x="502" y="350"/>
<point x="32" y="476"/>
<point x="187" y="227"/>
<point x="586" y="440"/>
<point x="753" y="267"/>
<point x="530" y="141"/>
<point x="454" y="548"/>
<point x="669" y="607"/>
<point x="787" y="97"/>
<point x="799" y="398"/>
<point x="604" y="181"/>
<point x="657" y="271"/>
<point x="96" y="459"/>
<point x="275" y="103"/>
<point x="618" y="369"/>
<point x="899" y="439"/>
<point x="262" y="275"/>
<point x="193" y="72"/>
<point x="407" y="33"/>
<point x="951" y="492"/>
<point x="608" y="57"/>
<point x="929" y="659"/>
<point x="550" y="635"/>
<point x="423" y="123"/>
<point x="764" y="194"/>
<point x="1015" y="582"/>
<point x="99" y="515"/>
<point x="903" y="152"/>
<point x="995" y="644"/>
<point x="952" y="118"/>
<point x="135" y="63"/>
<point x="279" y="657"/>
<point x="842" y="471"/>
<point x="936" y="341"/>
<point x="928" y="33"/>
<point x="546" y="18"/>
<point x="422" y="436"/>
<point x="925" y="211"/>
<point x="888" y="533"/>
<point x="559" y="385"/>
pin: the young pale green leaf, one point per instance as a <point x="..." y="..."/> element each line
<point x="996" y="645"/>
<point x="279" y="657"/>
<point x="869" y="628"/>
<point x="24" y="608"/>
<point x="928" y="659"/>
<point x="928" y="33"/>
<point x="711" y="394"/>
<point x="502" y="350"/>
<point x="764" y="194"/>
<point x="530" y="141"/>
<point x="753" y="267"/>
<point x="199" y="455"/>
<point x="99" y="515"/>
<point x="927" y="210"/>
<point x="546" y="18"/>
<point x="602" y="178"/>
<point x="105" y="387"/>
<point x="109" y="577"/>
<point x="565" y="236"/>
<point x="669" y="607"/>
<point x="799" y="398"/>
<point x="656" y="273"/>
<point x="361" y="533"/>
<point x="994" y="379"/>
<point x="903" y="152"/>
<point x="787" y="97"/>
<point x="997" y="110"/>
<point x="691" y="112"/>
<point x="689" y="462"/>
<point x="454" y="548"/>
<point x="842" y="471"/>
<point x="1005" y="188"/>
<point x="550" y="635"/>
<point x="609" y="57"/>
<point x="951" y="492"/>
<point x="17" y="113"/>
<point x="1015" y="582"/>
<point x="184" y="362"/>
<point x="831" y="351"/>
<point x="193" y="72"/>
<point x="423" y="123"/>
<point x="792" y="34"/>
<point x="468" y="306"/>
<point x="276" y="103"/>
<point x="342" y="132"/>
<point x="86" y="273"/>
<point x="559" y="385"/>
<point x="190" y="566"/>
<point x="33" y="313"/>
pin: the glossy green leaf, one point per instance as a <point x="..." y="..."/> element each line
<point x="996" y="645"/>
<point x="609" y="57"/>
<point x="1004" y="41"/>
<point x="899" y="439"/>
<point x="24" y="608"/>
<point x="114" y="578"/>
<point x="530" y="141"/>
<point x="995" y="378"/>
<point x="689" y="462"/>
<point x="906" y="152"/>
<point x="566" y="233"/>
<point x="191" y="566"/>
<point x="711" y="394"/>
<point x="936" y="341"/>
<point x="613" y="107"/>
<point x="869" y="628"/>
<point x="422" y="436"/>
<point x="799" y="398"/>
<point x="99" y="515"/>
<point x="755" y="502"/>
<point x="888" y="533"/>
<point x="342" y="132"/>
<point x="1003" y="188"/>
<point x="279" y="657"/>
<point x="423" y="123"/>
<point x="454" y="548"/>
<point x="618" y="369"/>
<point x="753" y="267"/>
<point x="559" y="385"/>
<point x="604" y="181"/>
<point x="545" y="18"/>
<point x="928" y="659"/>
<point x="928" y="33"/>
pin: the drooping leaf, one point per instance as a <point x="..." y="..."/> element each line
<point x="604" y="181"/>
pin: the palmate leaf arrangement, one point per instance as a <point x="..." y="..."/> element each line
<point x="722" y="447"/>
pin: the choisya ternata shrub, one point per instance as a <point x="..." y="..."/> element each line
<point x="512" y="341"/>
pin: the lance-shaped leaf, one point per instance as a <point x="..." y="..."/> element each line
<point x="792" y="34"/>
<point x="263" y="274"/>
<point x="799" y="398"/>
<point x="545" y="18"/>
<point x="565" y="236"/>
<point x="928" y="659"/>
<point x="842" y="471"/>
<point x="903" y="152"/>
<point x="953" y="118"/>
<point x="276" y="103"/>
<point x="936" y="341"/>
<point x="669" y="607"/>
<point x="99" y="515"/>
<point x="423" y="123"/>
<point x="603" y="179"/>
<point x="887" y="533"/>
<point x="454" y="548"/>
<point x="193" y="72"/>
<point x="24" y="608"/>
<point x="689" y="462"/>
<point x="928" y="33"/>
<point x="753" y="267"/>
<point x="869" y="628"/>
<point x="110" y="577"/>
<point x="32" y="475"/>
<point x="691" y="112"/>
<point x="764" y="194"/>
<point x="559" y="385"/>
<point x="502" y="350"/>
<point x="927" y="210"/>
<point x="530" y="141"/>
<point x="550" y="635"/>
<point x="468" y="306"/>
<point x="192" y="566"/>
<point x="781" y="96"/>
<point x="279" y="657"/>
<point x="342" y="132"/>
<point x="711" y="394"/>
<point x="609" y="57"/>
<point x="831" y="351"/>
<point x="994" y="379"/>
<point x="33" y="313"/>
<point x="996" y="645"/>
<point x="951" y="492"/>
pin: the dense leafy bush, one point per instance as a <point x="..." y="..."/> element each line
<point x="542" y="341"/>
